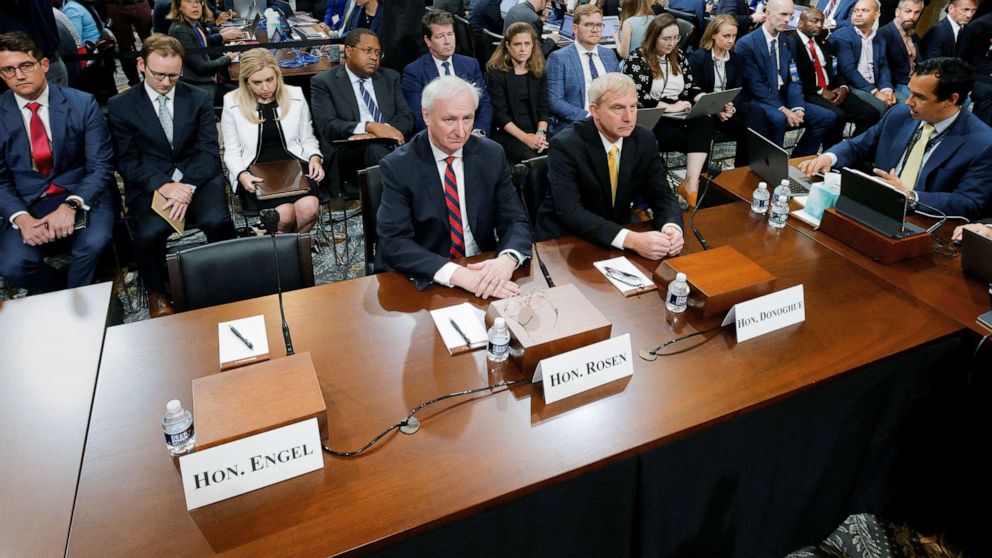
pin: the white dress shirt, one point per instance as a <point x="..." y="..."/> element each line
<point x="955" y="27"/>
<point x="720" y="71"/>
<point x="866" y="64"/>
<point x="440" y="65"/>
<point x="777" y="60"/>
<point x="363" y="110"/>
<point x="170" y="107"/>
<point x="670" y="85"/>
<point x="586" y="74"/>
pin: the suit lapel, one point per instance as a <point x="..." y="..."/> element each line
<point x="472" y="199"/>
<point x="58" y="116"/>
<point x="383" y="96"/>
<point x="898" y="145"/>
<point x="14" y="122"/>
<point x="148" y="112"/>
<point x="181" y="105"/>
<point x="596" y="153"/>
<point x="953" y="140"/>
<point x="430" y="178"/>
<point x="577" y="71"/>
<point x="347" y="92"/>
<point x="430" y="70"/>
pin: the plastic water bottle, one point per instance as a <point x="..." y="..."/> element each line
<point x="498" y="349"/>
<point x="779" y="212"/>
<point x="759" y="199"/>
<point x="678" y="294"/>
<point x="178" y="428"/>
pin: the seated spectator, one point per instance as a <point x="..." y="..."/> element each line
<point x="663" y="79"/>
<point x="485" y="15"/>
<point x="609" y="145"/>
<point x="485" y="216"/>
<point x="942" y="38"/>
<point x="716" y="67"/>
<point x="821" y="85"/>
<point x="572" y="69"/>
<point x="747" y="19"/>
<point x="453" y="7"/>
<point x="861" y="59"/>
<point x="366" y="14"/>
<point x="836" y="13"/>
<point x="82" y="20"/>
<point x="165" y="135"/>
<point x="47" y="179"/>
<point x="358" y="100"/>
<point x="518" y="88"/>
<point x="772" y="100"/>
<point x="937" y="153"/>
<point x="338" y="13"/>
<point x="206" y="71"/>
<point x="440" y="59"/>
<point x="902" y="45"/>
<point x="265" y="120"/>
<point x="36" y="19"/>
<point x="634" y="25"/>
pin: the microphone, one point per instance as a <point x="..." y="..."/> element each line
<point x="270" y="220"/>
<point x="713" y="170"/>
<point x="518" y="174"/>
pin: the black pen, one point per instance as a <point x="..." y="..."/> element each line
<point x="241" y="337"/>
<point x="454" y="324"/>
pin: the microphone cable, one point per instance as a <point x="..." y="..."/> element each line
<point x="712" y="171"/>
<point x="652" y="354"/>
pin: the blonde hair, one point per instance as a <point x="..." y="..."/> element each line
<point x="612" y="82"/>
<point x="714" y="28"/>
<point x="501" y="61"/>
<point x="174" y="14"/>
<point x="583" y="11"/>
<point x="252" y="62"/>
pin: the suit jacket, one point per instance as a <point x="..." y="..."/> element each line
<point x="973" y="46"/>
<point x="144" y="157"/>
<point x="804" y="65"/>
<point x="956" y="179"/>
<point x="579" y="180"/>
<point x="567" y="86"/>
<point x="356" y="17"/>
<point x="335" y="106"/>
<point x="896" y="55"/>
<point x="503" y="99"/>
<point x="82" y="156"/>
<point x="760" y="83"/>
<point x="420" y="72"/>
<point x="197" y="68"/>
<point x="412" y="221"/>
<point x="701" y="65"/>
<point x="846" y="43"/>
<point x="741" y="12"/>
<point x="842" y="17"/>
<point x="939" y="41"/>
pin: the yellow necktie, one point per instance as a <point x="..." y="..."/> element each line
<point x="614" y="176"/>
<point x="914" y="163"/>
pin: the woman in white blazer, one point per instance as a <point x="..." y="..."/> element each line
<point x="266" y="120"/>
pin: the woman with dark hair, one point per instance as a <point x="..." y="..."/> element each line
<point x="518" y="91"/>
<point x="366" y="14"/>
<point x="663" y="79"/>
<point x="190" y="26"/>
<point x="715" y="68"/>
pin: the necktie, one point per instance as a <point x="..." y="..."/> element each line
<point x="611" y="160"/>
<point x="447" y="68"/>
<point x="41" y="151"/>
<point x="914" y="162"/>
<point x="828" y="12"/>
<point x="593" y="74"/>
<point x="773" y="52"/>
<point x="457" y="249"/>
<point x="164" y="118"/>
<point x="821" y="78"/>
<point x="373" y="109"/>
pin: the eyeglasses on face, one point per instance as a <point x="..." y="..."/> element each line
<point x="369" y="51"/>
<point x="592" y="26"/>
<point x="159" y="76"/>
<point x="24" y="67"/>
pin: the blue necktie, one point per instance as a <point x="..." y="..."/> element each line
<point x="373" y="109"/>
<point x="593" y="74"/>
<point x="447" y="68"/>
<point x="773" y="52"/>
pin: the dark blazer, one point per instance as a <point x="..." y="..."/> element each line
<point x="578" y="175"/>
<point x="741" y="12"/>
<point x="637" y="68"/>
<point x="412" y="222"/>
<point x="197" y="68"/>
<point x="846" y="43"/>
<point x="973" y="46"/>
<point x="81" y="152"/>
<point x="955" y="179"/>
<point x="701" y="65"/>
<point x="420" y="72"/>
<point x="504" y="111"/>
<point x="896" y="55"/>
<point x="335" y="106"/>
<point x="804" y="65"/>
<point x="842" y="17"/>
<point x="760" y="83"/>
<point x="356" y="17"/>
<point x="939" y="40"/>
<point x="144" y="157"/>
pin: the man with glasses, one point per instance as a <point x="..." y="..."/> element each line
<point x="56" y="172"/>
<point x="531" y="12"/>
<point x="573" y="68"/>
<point x="165" y="135"/>
<point x="360" y="102"/>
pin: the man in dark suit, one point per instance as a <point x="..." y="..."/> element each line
<point x="821" y="86"/>
<point x="942" y="38"/>
<point x="836" y="13"/>
<point x="902" y="45"/>
<point x="440" y="59"/>
<point x="973" y="48"/>
<point x="596" y="168"/>
<point x="772" y="98"/>
<point x="55" y="162"/>
<point x="165" y="135"/>
<point x="356" y="101"/>
<point x="931" y="149"/>
<point x="747" y="19"/>
<point x="447" y="195"/>
<point x="866" y="73"/>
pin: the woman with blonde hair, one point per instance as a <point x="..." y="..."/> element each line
<point x="518" y="91"/>
<point x="265" y="120"/>
<point x="635" y="17"/>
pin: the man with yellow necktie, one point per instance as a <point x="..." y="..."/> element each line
<point x="598" y="165"/>
<point x="938" y="154"/>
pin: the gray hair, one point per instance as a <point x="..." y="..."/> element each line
<point x="447" y="88"/>
<point x="902" y="3"/>
<point x="613" y="82"/>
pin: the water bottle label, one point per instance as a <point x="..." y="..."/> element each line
<point x="498" y="350"/>
<point x="179" y="438"/>
<point x="761" y="204"/>
<point x="677" y="300"/>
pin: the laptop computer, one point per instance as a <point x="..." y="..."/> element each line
<point x="771" y="163"/>
<point x="873" y="203"/>
<point x="707" y="105"/>
<point x="556" y="13"/>
<point x="566" y="27"/>
<point x="648" y="118"/>
<point x="976" y="255"/>
<point x="611" y="25"/>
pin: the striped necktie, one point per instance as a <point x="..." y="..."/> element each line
<point x="369" y="102"/>
<point x="451" y="200"/>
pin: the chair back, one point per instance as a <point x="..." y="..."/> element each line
<point x="370" y="193"/>
<point x="536" y="187"/>
<point x="238" y="269"/>
<point x="686" y="28"/>
<point x="464" y="42"/>
<point x="490" y="41"/>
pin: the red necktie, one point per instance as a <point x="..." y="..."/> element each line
<point x="821" y="78"/>
<point x="41" y="152"/>
<point x="454" y="211"/>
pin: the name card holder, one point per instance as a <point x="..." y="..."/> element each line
<point x="580" y="370"/>
<point x="718" y="279"/>
<point x="768" y="313"/>
<point x="883" y="249"/>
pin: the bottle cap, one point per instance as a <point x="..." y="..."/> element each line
<point x="785" y="182"/>
<point x="680" y="277"/>
<point x="763" y="185"/>
<point x="499" y="322"/>
<point x="173" y="407"/>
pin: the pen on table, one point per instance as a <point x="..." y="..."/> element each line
<point x="623" y="276"/>
<point x="243" y="339"/>
<point x="454" y="324"/>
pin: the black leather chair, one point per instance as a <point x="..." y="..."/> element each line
<point x="370" y="192"/>
<point x="536" y="188"/>
<point x="464" y="42"/>
<point x="238" y="269"/>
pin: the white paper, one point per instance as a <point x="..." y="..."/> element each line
<point x="768" y="313"/>
<point x="233" y="349"/>
<point x="623" y="264"/>
<point x="470" y="319"/>
<point x="582" y="369"/>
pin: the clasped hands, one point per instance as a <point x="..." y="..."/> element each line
<point x="57" y="224"/>
<point x="489" y="278"/>
<point x="655" y="245"/>
<point x="379" y="130"/>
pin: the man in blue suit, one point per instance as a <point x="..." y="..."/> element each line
<point x="836" y="13"/>
<point x="902" y="45"/>
<point x="440" y="59"/>
<point x="937" y="153"/>
<point x="56" y="163"/>
<point x="447" y="195"/>
<point x="572" y="69"/>
<point x="942" y="38"/>
<point x="746" y="18"/>
<point x="772" y="98"/>
<point x="861" y="59"/>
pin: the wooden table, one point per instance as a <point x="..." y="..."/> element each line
<point x="935" y="279"/>
<point x="50" y="348"/>
<point x="325" y="63"/>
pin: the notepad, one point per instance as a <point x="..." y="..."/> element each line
<point x="470" y="320"/>
<point x="637" y="283"/>
<point x="233" y="351"/>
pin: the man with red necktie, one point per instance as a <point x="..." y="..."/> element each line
<point x="447" y="195"/>
<point x="56" y="167"/>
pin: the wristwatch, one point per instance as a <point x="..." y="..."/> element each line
<point x="72" y="204"/>
<point x="513" y="257"/>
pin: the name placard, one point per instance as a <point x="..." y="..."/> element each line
<point x="576" y="371"/>
<point x="250" y="463"/>
<point x="768" y="313"/>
